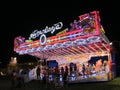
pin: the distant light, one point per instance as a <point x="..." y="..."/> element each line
<point x="111" y="43"/>
<point x="13" y="60"/>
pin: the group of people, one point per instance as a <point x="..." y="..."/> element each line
<point x="17" y="78"/>
<point x="62" y="73"/>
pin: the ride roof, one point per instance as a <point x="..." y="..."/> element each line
<point x="85" y="35"/>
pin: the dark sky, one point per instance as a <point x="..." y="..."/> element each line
<point x="17" y="21"/>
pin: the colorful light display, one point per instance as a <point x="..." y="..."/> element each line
<point x="85" y="36"/>
<point x="83" y="40"/>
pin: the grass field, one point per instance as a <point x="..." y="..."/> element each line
<point x="110" y="85"/>
<point x="5" y="84"/>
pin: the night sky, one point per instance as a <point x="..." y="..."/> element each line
<point x="17" y="21"/>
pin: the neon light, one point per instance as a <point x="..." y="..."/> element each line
<point x="87" y="34"/>
<point x="47" y="29"/>
<point x="42" y="39"/>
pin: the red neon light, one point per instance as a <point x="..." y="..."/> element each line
<point x="55" y="39"/>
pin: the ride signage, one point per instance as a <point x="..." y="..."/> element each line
<point x="42" y="33"/>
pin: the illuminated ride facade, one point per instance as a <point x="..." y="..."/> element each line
<point x="83" y="45"/>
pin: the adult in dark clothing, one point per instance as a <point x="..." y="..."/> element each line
<point x="83" y="70"/>
<point x="38" y="72"/>
<point x="75" y="67"/>
<point x="14" y="78"/>
<point x="65" y="74"/>
<point x="21" y="79"/>
<point x="62" y="70"/>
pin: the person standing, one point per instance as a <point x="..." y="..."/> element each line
<point x="83" y="70"/>
<point x="14" y="78"/>
<point x="38" y="72"/>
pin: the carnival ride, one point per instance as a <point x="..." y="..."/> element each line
<point x="83" y="40"/>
